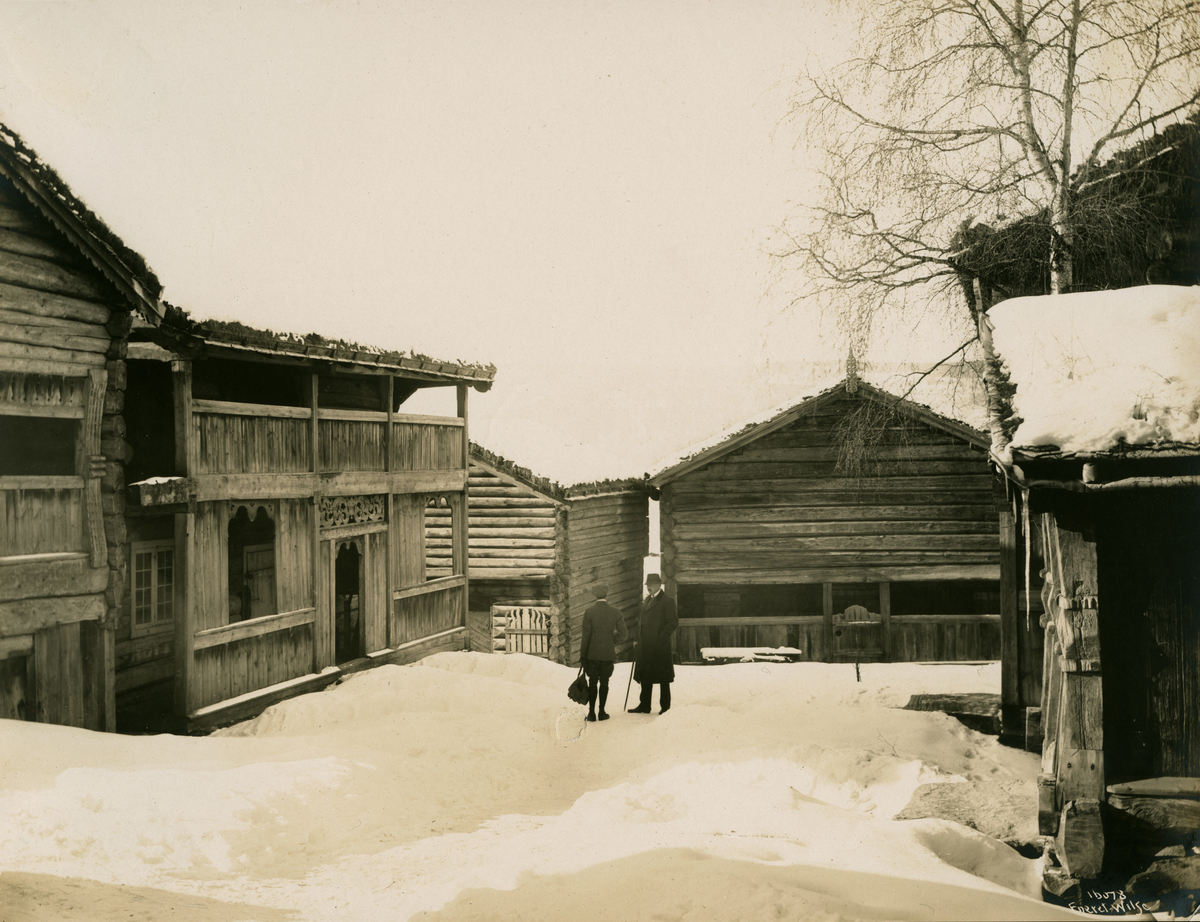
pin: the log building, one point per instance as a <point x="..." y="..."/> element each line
<point x="853" y="525"/>
<point x="536" y="549"/>
<point x="201" y="516"/>
<point x="1114" y="509"/>
<point x="69" y="290"/>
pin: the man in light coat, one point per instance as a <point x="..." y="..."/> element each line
<point x="654" y="663"/>
<point x="603" y="628"/>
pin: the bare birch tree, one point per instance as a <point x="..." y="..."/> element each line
<point x="962" y="110"/>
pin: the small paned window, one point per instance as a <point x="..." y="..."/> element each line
<point x="153" y="578"/>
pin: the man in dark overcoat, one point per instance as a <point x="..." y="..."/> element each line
<point x="603" y="629"/>
<point x="654" y="664"/>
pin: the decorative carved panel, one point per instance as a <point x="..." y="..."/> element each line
<point x="337" y="511"/>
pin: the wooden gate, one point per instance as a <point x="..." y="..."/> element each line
<point x="857" y="636"/>
<point x="526" y="628"/>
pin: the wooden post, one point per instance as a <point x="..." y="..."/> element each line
<point x="319" y="562"/>
<point x="827" y="627"/>
<point x="390" y="535"/>
<point x="458" y="529"/>
<point x="184" y="625"/>
<point x="313" y="431"/>
<point x="93" y="467"/>
<point x="1011" y="712"/>
<point x="885" y="615"/>
<point x="184" y="460"/>
<point x="1080" y="841"/>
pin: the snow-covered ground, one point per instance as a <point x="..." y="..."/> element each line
<point x="468" y="787"/>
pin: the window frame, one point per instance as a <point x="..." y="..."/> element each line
<point x="155" y="625"/>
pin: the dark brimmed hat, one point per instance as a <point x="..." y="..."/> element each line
<point x="653" y="578"/>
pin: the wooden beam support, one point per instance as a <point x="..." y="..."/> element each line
<point x="184" y="449"/>
<point x="1080" y="840"/>
<point x="41" y="576"/>
<point x="27" y="616"/>
<point x="185" y="694"/>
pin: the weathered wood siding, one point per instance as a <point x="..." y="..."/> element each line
<point x="1149" y="607"/>
<point x="61" y="349"/>
<point x="781" y="514"/>
<point x="780" y="511"/>
<point x="608" y="538"/>
<point x="419" y="446"/>
<point x="232" y="443"/>
<point x="429" y="613"/>
<point x="250" y="655"/>
<point x="353" y="445"/>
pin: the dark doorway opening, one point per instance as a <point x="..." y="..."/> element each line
<point x="347" y="605"/>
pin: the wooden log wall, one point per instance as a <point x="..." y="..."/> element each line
<point x="63" y="332"/>
<point x="609" y="539"/>
<point x="511" y="531"/>
<point x="780" y="511"/>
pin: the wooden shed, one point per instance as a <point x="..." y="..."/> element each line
<point x="68" y="291"/>
<point x="201" y="517"/>
<point x="537" y="549"/>
<point x="853" y="525"/>
<point x="1098" y="440"/>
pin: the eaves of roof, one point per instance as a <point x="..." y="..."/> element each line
<point x="758" y="428"/>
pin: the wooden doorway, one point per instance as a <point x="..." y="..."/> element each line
<point x="349" y="609"/>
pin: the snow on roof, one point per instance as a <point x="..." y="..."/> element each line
<point x="1095" y="370"/>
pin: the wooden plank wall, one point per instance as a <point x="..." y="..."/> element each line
<point x="375" y="592"/>
<point x="1149" y="597"/>
<point x="41" y="521"/>
<point x="511" y="531"/>
<point x="426" y="447"/>
<point x="294" y="579"/>
<point x="422" y="615"/>
<point x="228" y="670"/>
<point x="237" y="444"/>
<point x="608" y="539"/>
<point x="352" y="445"/>
<point x="210" y="566"/>
<point x="779" y="510"/>
<point x="406" y="539"/>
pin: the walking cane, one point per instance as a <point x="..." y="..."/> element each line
<point x="629" y="684"/>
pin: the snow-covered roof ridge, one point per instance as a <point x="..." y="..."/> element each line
<point x="763" y="422"/>
<point x="1104" y="371"/>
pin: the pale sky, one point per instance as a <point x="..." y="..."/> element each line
<point x="581" y="193"/>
